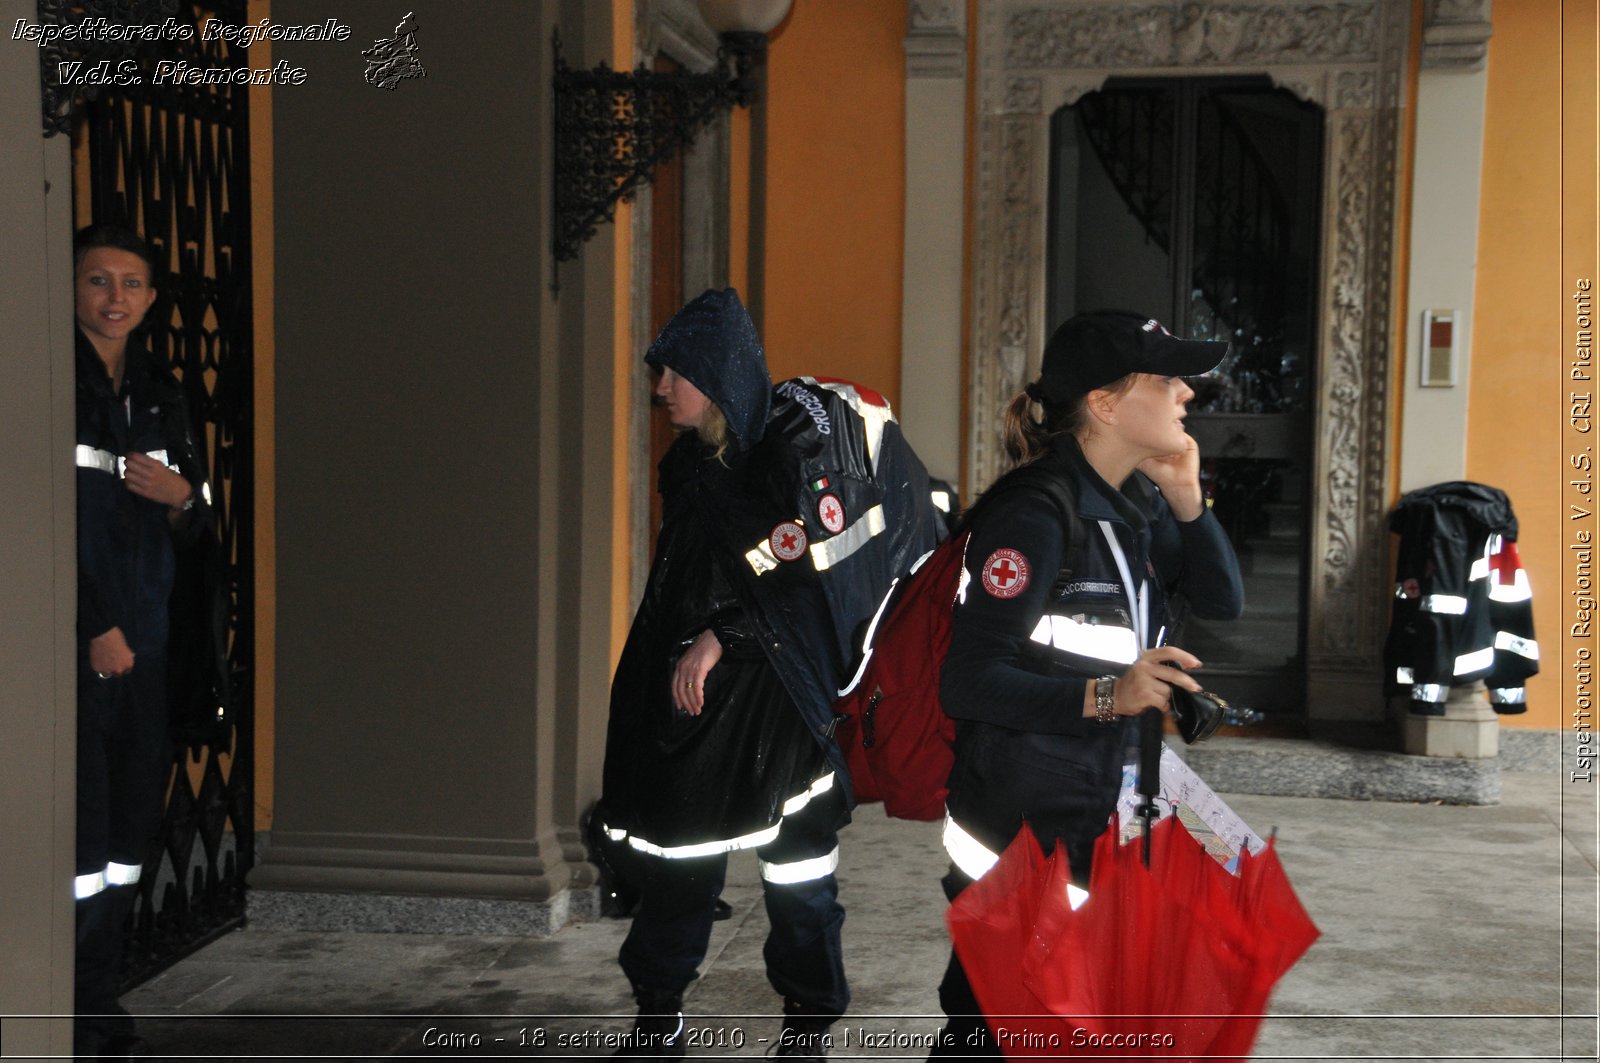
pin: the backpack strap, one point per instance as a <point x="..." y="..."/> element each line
<point x="1059" y="489"/>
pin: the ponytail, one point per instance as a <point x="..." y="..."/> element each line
<point x="1024" y="436"/>
<point x="1027" y="437"/>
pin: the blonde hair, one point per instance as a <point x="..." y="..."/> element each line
<point x="713" y="431"/>
<point x="1026" y="436"/>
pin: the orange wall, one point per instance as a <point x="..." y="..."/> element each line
<point x="835" y="192"/>
<point x="1516" y="414"/>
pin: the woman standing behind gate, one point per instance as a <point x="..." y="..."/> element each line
<point x="1058" y="638"/>
<point x="140" y="487"/>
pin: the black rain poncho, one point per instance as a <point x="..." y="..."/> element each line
<point x="782" y="546"/>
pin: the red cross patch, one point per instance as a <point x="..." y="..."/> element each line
<point x="830" y="511"/>
<point x="788" y="541"/>
<point x="1005" y="574"/>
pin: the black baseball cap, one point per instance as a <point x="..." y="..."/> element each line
<point x="1094" y="349"/>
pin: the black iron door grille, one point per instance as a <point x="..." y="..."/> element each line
<point x="173" y="162"/>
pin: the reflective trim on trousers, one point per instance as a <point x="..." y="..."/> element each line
<point x="1505" y="640"/>
<point x="1106" y="642"/>
<point x="753" y="840"/>
<point x="797" y="871"/>
<point x="86" y="886"/>
<point x="975" y="859"/>
<point x="941" y="500"/>
<point x="1432" y="693"/>
<point x="1403" y="676"/>
<point x="1447" y="604"/>
<point x="830" y="552"/>
<point x="1508" y="695"/>
<point x="1476" y="661"/>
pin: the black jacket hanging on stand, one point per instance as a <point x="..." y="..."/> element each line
<point x="1463" y="610"/>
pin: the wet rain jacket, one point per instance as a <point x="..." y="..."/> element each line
<point x="783" y="547"/>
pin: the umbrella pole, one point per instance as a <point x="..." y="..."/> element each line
<point x="1149" y="771"/>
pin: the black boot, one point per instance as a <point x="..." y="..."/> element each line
<point x="658" y="1030"/>
<point x="805" y="1033"/>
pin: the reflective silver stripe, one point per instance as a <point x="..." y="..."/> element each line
<point x="1138" y="610"/>
<point x="1433" y="693"/>
<point x="1508" y="695"/>
<point x="1505" y="640"/>
<point x="966" y="852"/>
<point x="873" y="418"/>
<point x="1476" y="661"/>
<point x="762" y="559"/>
<point x="1403" y="675"/>
<point x="1480" y="568"/>
<point x="86" y="886"/>
<point x="1399" y="590"/>
<point x="753" y="840"/>
<point x="872" y="628"/>
<point x="87" y="457"/>
<point x="800" y="870"/>
<point x="1448" y="604"/>
<point x="1516" y="591"/>
<point x="975" y="859"/>
<point x="830" y="552"/>
<point x="121" y="874"/>
<point x="941" y="500"/>
<point x="1106" y="642"/>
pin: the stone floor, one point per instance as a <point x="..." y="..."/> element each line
<point x="1448" y="933"/>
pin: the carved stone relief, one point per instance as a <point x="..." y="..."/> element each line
<point x="1037" y="55"/>
<point x="1455" y="34"/>
<point x="936" y="39"/>
<point x="1173" y="35"/>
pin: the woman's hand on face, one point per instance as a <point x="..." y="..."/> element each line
<point x="149" y="478"/>
<point x="689" y="675"/>
<point x="1148" y="683"/>
<point x="109" y="654"/>
<point x="1178" y="477"/>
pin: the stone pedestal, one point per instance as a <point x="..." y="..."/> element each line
<point x="1469" y="728"/>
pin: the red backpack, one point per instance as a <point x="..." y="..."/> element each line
<point x="895" y="734"/>
<point x="897" y="739"/>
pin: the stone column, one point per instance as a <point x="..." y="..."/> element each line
<point x="1446" y="176"/>
<point x="38" y="564"/>
<point x="444" y="466"/>
<point x="936" y="108"/>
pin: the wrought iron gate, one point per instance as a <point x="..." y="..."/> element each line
<point x="172" y="162"/>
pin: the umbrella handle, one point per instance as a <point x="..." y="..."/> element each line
<point x="1150" y="746"/>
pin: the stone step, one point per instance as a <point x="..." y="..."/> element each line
<point x="1271" y="557"/>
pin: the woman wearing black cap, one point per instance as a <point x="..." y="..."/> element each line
<point x="776" y="539"/>
<point x="1058" y="638"/>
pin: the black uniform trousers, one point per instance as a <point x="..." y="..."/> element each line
<point x="804" y="952"/>
<point x="123" y="759"/>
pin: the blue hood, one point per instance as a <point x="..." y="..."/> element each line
<point x="712" y="344"/>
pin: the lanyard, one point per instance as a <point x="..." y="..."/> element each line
<point x="1138" y="608"/>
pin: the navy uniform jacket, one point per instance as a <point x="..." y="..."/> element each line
<point x="125" y="543"/>
<point x="1044" y="613"/>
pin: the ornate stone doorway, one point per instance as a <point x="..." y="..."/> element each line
<point x="1036" y="56"/>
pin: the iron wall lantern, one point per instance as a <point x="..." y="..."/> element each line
<point x="614" y="127"/>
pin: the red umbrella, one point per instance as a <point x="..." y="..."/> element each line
<point x="1175" y="960"/>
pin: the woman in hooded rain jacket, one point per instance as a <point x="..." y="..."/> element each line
<point x="707" y="749"/>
